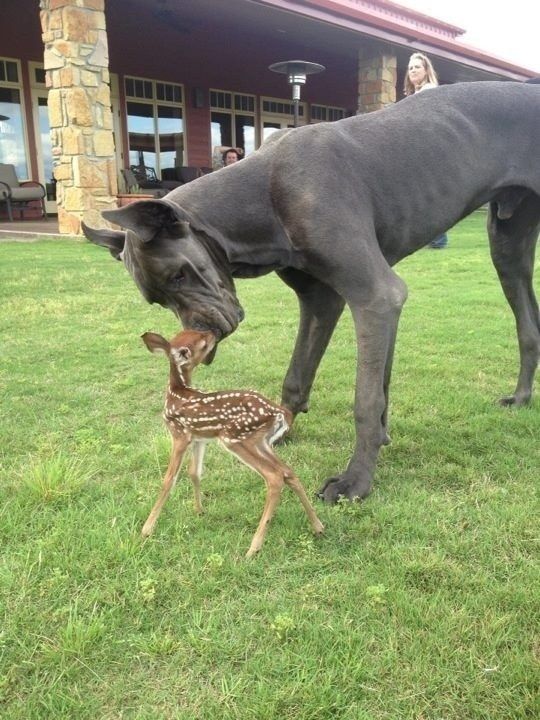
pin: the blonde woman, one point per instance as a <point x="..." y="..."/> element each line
<point x="421" y="76"/>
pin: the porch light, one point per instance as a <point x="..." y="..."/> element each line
<point x="296" y="72"/>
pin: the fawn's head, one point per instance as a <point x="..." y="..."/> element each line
<point x="186" y="350"/>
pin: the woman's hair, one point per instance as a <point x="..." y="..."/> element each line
<point x="431" y="75"/>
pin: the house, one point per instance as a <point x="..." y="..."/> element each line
<point x="88" y="87"/>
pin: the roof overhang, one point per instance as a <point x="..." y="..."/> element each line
<point x="392" y="23"/>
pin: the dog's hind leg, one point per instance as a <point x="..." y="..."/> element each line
<point x="320" y="310"/>
<point x="513" y="243"/>
<point x="385" y="437"/>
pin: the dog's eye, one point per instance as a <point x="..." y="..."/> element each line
<point x="178" y="277"/>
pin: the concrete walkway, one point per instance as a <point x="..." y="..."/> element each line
<point x="29" y="229"/>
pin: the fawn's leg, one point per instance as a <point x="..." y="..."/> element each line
<point x="180" y="444"/>
<point x="246" y="451"/>
<point x="195" y="472"/>
<point x="296" y="486"/>
<point x="274" y="486"/>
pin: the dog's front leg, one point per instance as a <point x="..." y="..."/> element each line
<point x="376" y="318"/>
<point x="320" y="310"/>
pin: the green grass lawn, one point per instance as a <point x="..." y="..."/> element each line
<point x="421" y="602"/>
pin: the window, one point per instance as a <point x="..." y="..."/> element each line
<point x="232" y="120"/>
<point x="322" y="113"/>
<point x="39" y="76"/>
<point x="155" y="124"/>
<point x="9" y="71"/>
<point x="12" y="133"/>
<point x="280" y="107"/>
<point x="278" y="114"/>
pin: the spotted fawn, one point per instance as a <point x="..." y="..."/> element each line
<point x="243" y="421"/>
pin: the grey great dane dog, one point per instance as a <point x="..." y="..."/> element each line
<point x="332" y="208"/>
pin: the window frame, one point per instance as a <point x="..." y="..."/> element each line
<point x="328" y="109"/>
<point x="19" y="85"/>
<point x="155" y="102"/>
<point x="233" y="111"/>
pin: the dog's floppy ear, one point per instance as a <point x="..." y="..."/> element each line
<point x="149" y="218"/>
<point x="113" y="240"/>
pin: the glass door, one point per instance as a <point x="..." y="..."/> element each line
<point x="42" y="133"/>
<point x="13" y="145"/>
<point x="44" y="149"/>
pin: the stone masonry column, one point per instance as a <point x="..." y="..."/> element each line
<point x="377" y="78"/>
<point x="77" y="75"/>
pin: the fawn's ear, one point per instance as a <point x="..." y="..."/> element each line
<point x="156" y="343"/>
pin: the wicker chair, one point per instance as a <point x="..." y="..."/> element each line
<point x="131" y="182"/>
<point x="147" y="179"/>
<point x="13" y="192"/>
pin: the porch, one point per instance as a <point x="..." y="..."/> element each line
<point x="27" y="230"/>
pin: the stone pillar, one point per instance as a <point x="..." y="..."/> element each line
<point x="377" y="78"/>
<point x="79" y="102"/>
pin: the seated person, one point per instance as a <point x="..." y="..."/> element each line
<point x="224" y="155"/>
<point x="230" y="156"/>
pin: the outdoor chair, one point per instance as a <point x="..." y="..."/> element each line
<point x="147" y="179"/>
<point x="133" y="185"/>
<point x="188" y="173"/>
<point x="13" y="192"/>
<point x="181" y="174"/>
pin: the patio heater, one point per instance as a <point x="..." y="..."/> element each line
<point x="296" y="72"/>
